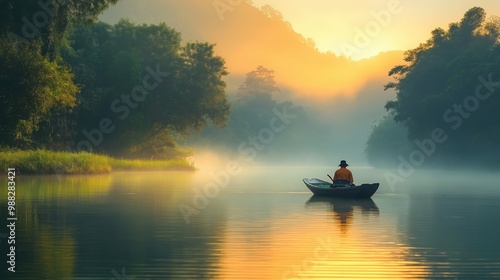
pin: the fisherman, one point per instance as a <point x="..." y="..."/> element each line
<point x="343" y="176"/>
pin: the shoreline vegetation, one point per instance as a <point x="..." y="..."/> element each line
<point x="45" y="162"/>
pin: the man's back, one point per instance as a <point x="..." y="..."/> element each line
<point x="343" y="174"/>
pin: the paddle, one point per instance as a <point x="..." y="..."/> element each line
<point x="329" y="177"/>
<point x="333" y="181"/>
<point x="331" y="185"/>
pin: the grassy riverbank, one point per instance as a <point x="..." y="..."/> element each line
<point x="50" y="162"/>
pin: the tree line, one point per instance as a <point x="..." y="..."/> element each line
<point x="450" y="83"/>
<point x="69" y="82"/>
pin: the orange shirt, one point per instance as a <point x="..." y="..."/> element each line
<point x="343" y="174"/>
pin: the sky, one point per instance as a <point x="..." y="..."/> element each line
<point x="364" y="28"/>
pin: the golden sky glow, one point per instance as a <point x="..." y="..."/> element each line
<point x="331" y="24"/>
<point x="361" y="29"/>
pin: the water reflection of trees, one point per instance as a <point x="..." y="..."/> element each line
<point x="45" y="244"/>
<point x="457" y="235"/>
<point x="85" y="226"/>
<point x="343" y="208"/>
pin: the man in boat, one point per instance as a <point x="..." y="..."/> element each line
<point x="343" y="176"/>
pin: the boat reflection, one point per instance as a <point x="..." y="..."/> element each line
<point x="343" y="208"/>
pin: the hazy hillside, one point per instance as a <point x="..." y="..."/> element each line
<point x="333" y="90"/>
<point x="239" y="33"/>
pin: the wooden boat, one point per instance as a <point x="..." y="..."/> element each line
<point x="324" y="188"/>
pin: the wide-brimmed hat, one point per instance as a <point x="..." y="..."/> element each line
<point x="343" y="163"/>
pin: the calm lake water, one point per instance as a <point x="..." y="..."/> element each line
<point x="264" y="224"/>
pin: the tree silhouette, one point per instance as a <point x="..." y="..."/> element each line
<point x="437" y="89"/>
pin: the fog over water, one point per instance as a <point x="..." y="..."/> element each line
<point x="433" y="225"/>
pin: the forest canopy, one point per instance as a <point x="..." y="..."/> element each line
<point x="450" y="83"/>
<point x="69" y="82"/>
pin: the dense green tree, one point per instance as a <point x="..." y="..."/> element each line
<point x="451" y="82"/>
<point x="139" y="79"/>
<point x="37" y="88"/>
<point x="184" y="87"/>
<point x="46" y="20"/>
<point x="31" y="88"/>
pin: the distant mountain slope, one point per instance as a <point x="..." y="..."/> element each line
<point x="342" y="97"/>
<point x="247" y="36"/>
